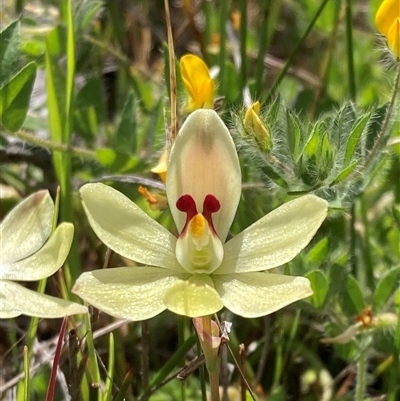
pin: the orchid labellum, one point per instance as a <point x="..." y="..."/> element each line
<point x="197" y="273"/>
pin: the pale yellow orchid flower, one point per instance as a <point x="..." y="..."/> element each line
<point x="387" y="21"/>
<point x="30" y="253"/>
<point x="197" y="273"/>
<point x="198" y="82"/>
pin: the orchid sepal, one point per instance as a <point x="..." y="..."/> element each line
<point x="196" y="168"/>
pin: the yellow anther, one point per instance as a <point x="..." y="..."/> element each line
<point x="197" y="225"/>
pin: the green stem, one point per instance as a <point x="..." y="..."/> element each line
<point x="385" y="124"/>
<point x="243" y="44"/>
<point x="394" y="378"/>
<point x="214" y="385"/>
<point x="299" y="44"/>
<point x="212" y="363"/>
<point x="369" y="267"/>
<point x="53" y="146"/>
<point x="350" y="54"/>
<point x="361" y="375"/>
<point x="223" y="13"/>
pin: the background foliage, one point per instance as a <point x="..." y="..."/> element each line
<point x="84" y="95"/>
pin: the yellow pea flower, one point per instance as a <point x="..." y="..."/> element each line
<point x="253" y="123"/>
<point x="387" y="21"/>
<point x="161" y="167"/>
<point x="198" y="82"/>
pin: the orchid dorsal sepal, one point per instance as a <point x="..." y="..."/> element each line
<point x="204" y="161"/>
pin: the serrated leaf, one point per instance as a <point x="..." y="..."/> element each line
<point x="319" y="285"/>
<point x="15" y="97"/>
<point x="9" y="51"/>
<point x="125" y="140"/>
<point x="116" y="162"/>
<point x="312" y="144"/>
<point x="354" y="138"/>
<point x="345" y="173"/>
<point x="351" y="297"/>
<point x="386" y="287"/>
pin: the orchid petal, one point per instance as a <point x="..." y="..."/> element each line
<point x="134" y="293"/>
<point x="27" y="227"/>
<point x="126" y="229"/>
<point x="44" y="262"/>
<point x="276" y="238"/>
<point x="258" y="294"/>
<point x="204" y="161"/>
<point x="194" y="297"/>
<point x="17" y="300"/>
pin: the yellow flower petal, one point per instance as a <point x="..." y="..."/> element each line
<point x="161" y="167"/>
<point x="198" y="82"/>
<point x="393" y="37"/>
<point x="387" y="13"/>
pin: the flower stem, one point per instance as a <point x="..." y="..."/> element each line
<point x="361" y="375"/>
<point x="212" y="368"/>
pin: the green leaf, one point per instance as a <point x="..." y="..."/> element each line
<point x="232" y="91"/>
<point x="293" y="134"/>
<point x="386" y="287"/>
<point x="126" y="136"/>
<point x="319" y="284"/>
<point x="312" y="144"/>
<point x="319" y="252"/>
<point x="15" y="96"/>
<point x="351" y="297"/>
<point x="116" y="162"/>
<point x="9" y="51"/>
<point x="345" y="173"/>
<point x="354" y="138"/>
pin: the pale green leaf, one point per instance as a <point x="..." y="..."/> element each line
<point x="134" y="293"/>
<point x="126" y="229"/>
<point x="276" y="238"/>
<point x="204" y="161"/>
<point x="258" y="294"/>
